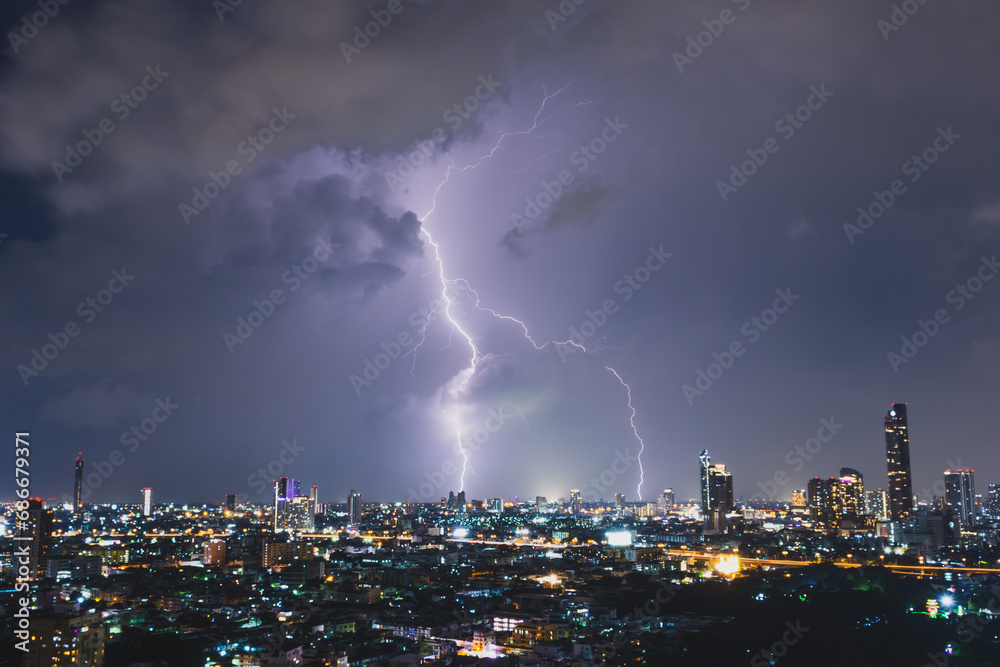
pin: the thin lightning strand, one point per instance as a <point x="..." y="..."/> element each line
<point x="631" y="420"/>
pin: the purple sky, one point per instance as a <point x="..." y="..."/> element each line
<point x="569" y="172"/>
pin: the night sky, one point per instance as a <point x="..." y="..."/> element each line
<point x="560" y="164"/>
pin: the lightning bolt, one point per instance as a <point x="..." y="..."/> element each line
<point x="631" y="419"/>
<point x="451" y="287"/>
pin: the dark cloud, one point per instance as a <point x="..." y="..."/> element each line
<point x="323" y="179"/>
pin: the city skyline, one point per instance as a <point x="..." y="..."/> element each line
<point x="958" y="490"/>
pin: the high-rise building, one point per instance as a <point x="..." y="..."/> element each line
<point x="314" y="500"/>
<point x="78" y="484"/>
<point x="39" y="529"/>
<point x="960" y="495"/>
<point x="494" y="505"/>
<point x="799" y="498"/>
<point x="720" y="489"/>
<point x="849" y="495"/>
<point x="992" y="505"/>
<point x="704" y="463"/>
<point x="821" y="500"/>
<point x="575" y="501"/>
<point x="877" y="504"/>
<point x="620" y="500"/>
<point x="541" y="504"/>
<point x="59" y="640"/>
<point x="147" y="501"/>
<point x="897" y="455"/>
<point x="230" y="502"/>
<point x="215" y="552"/>
<point x="354" y="508"/>
<point x="281" y="497"/>
<point x="666" y="499"/>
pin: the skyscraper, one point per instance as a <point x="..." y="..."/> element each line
<point x="78" y="483"/>
<point x="147" y="501"/>
<point x="704" y="461"/>
<point x="897" y="456"/>
<point x="281" y="496"/>
<point x="314" y="500"/>
<point x="849" y="496"/>
<point x="354" y="508"/>
<point x="992" y="505"/>
<point x="960" y="494"/>
<point x="668" y="499"/>
<point x="576" y="501"/>
<point x="39" y="529"/>
<point x="230" y="502"/>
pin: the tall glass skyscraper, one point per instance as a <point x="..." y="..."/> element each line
<point x="960" y="494"/>
<point x="897" y="456"/>
<point x="78" y="483"/>
<point x="705" y="463"/>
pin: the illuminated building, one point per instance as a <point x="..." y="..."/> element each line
<point x="666" y="499"/>
<point x="281" y="495"/>
<point x="849" y="495"/>
<point x="620" y="500"/>
<point x="799" y="498"/>
<point x="354" y="508"/>
<point x="704" y="463"/>
<point x="877" y="504"/>
<point x="575" y="501"/>
<point x="215" y="552"/>
<point x="147" y="502"/>
<point x="494" y="505"/>
<point x="960" y="495"/>
<point x="992" y="508"/>
<point x="230" y="502"/>
<point x="66" y="640"/>
<point x="39" y="529"/>
<point x="278" y="553"/>
<point x="897" y="456"/>
<point x="314" y="500"/>
<point x="821" y="500"/>
<point x="78" y="484"/>
<point x="541" y="504"/>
